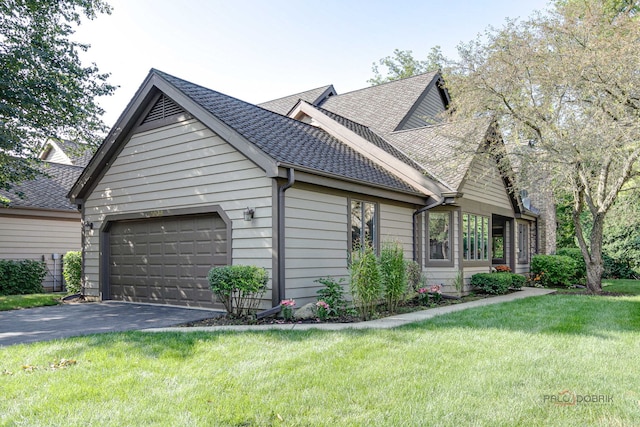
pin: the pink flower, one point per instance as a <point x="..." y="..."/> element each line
<point x="435" y="289"/>
<point x="288" y="303"/>
<point x="322" y="304"/>
<point x="422" y="290"/>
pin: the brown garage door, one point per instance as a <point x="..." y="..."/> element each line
<point x="166" y="260"/>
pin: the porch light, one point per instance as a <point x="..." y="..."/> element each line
<point x="88" y="225"/>
<point x="248" y="214"/>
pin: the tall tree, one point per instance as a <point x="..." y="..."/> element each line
<point x="45" y="91"/>
<point x="566" y="86"/>
<point x="402" y="64"/>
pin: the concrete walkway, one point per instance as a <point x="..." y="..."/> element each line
<point x="384" y="323"/>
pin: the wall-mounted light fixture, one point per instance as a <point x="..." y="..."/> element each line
<point x="248" y="214"/>
<point x="88" y="225"/>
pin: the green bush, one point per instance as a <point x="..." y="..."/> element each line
<point x="616" y="269"/>
<point x="366" y="286"/>
<point x="413" y="271"/>
<point x="553" y="270"/>
<point x="517" y="281"/>
<point x="492" y="283"/>
<point x="392" y="272"/>
<point x="333" y="295"/>
<point x="238" y="287"/>
<point x="580" y="272"/>
<point x="72" y="271"/>
<point x="22" y="277"/>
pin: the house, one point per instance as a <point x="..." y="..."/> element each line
<point x="190" y="178"/>
<point x="39" y="223"/>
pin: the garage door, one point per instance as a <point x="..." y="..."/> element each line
<point x="166" y="260"/>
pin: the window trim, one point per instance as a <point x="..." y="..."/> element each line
<point x="376" y="224"/>
<point x="427" y="247"/>
<point x="488" y="259"/>
<point x="522" y="257"/>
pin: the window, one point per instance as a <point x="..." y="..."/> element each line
<point x="438" y="236"/>
<point x="523" y="243"/>
<point x="475" y="237"/>
<point x="364" y="224"/>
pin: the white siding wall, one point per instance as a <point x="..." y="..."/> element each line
<point x="179" y="166"/>
<point x="396" y="225"/>
<point x="484" y="184"/>
<point x="35" y="238"/>
<point x="316" y="241"/>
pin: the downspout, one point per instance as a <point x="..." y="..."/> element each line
<point x="279" y="294"/>
<point x="415" y="224"/>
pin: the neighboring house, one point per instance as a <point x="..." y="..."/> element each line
<point x="190" y="178"/>
<point x="39" y="223"/>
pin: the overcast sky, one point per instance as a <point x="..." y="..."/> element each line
<point x="261" y="50"/>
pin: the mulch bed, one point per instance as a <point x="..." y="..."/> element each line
<point x="407" y="307"/>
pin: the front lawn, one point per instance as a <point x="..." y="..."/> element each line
<point x="550" y="360"/>
<point x="14" y="302"/>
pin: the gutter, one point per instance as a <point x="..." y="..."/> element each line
<point x="279" y="292"/>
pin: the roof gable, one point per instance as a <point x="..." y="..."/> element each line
<point x="267" y="138"/>
<point x="285" y="104"/>
<point x="383" y="107"/>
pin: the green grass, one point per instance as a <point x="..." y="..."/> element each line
<point x="490" y="366"/>
<point x="14" y="302"/>
<point x="623" y="286"/>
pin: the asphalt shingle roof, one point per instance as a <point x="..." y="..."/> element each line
<point x="46" y="192"/>
<point x="287" y="140"/>
<point x="381" y="107"/>
<point x="445" y="150"/>
<point x="285" y="104"/>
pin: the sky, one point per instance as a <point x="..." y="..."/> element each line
<point x="258" y="50"/>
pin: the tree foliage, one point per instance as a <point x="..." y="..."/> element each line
<point x="402" y="64"/>
<point x="45" y="91"/>
<point x="565" y="86"/>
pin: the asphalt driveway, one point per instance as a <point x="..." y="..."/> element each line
<point x="68" y="320"/>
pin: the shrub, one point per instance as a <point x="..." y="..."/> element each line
<point x="413" y="271"/>
<point x="72" y="271"/>
<point x="238" y="287"/>
<point x="616" y="269"/>
<point x="580" y="272"/>
<point x="492" y="283"/>
<point x="365" y="281"/>
<point x="517" y="281"/>
<point x="392" y="273"/>
<point x="333" y="296"/>
<point x="553" y="270"/>
<point x="22" y="277"/>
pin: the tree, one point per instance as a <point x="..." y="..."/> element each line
<point x="566" y="86"/>
<point x="45" y="91"/>
<point x="402" y="64"/>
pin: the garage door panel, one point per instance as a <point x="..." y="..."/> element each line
<point x="166" y="260"/>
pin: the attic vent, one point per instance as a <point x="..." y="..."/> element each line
<point x="165" y="107"/>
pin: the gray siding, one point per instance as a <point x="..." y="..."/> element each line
<point x="396" y="225"/>
<point x="178" y="166"/>
<point x="442" y="275"/>
<point x="484" y="184"/>
<point x="316" y="241"/>
<point x="426" y="112"/>
<point x="37" y="239"/>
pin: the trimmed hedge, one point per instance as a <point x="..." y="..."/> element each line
<point x="22" y="277"/>
<point x="72" y="271"/>
<point x="553" y="270"/>
<point x="497" y="283"/>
